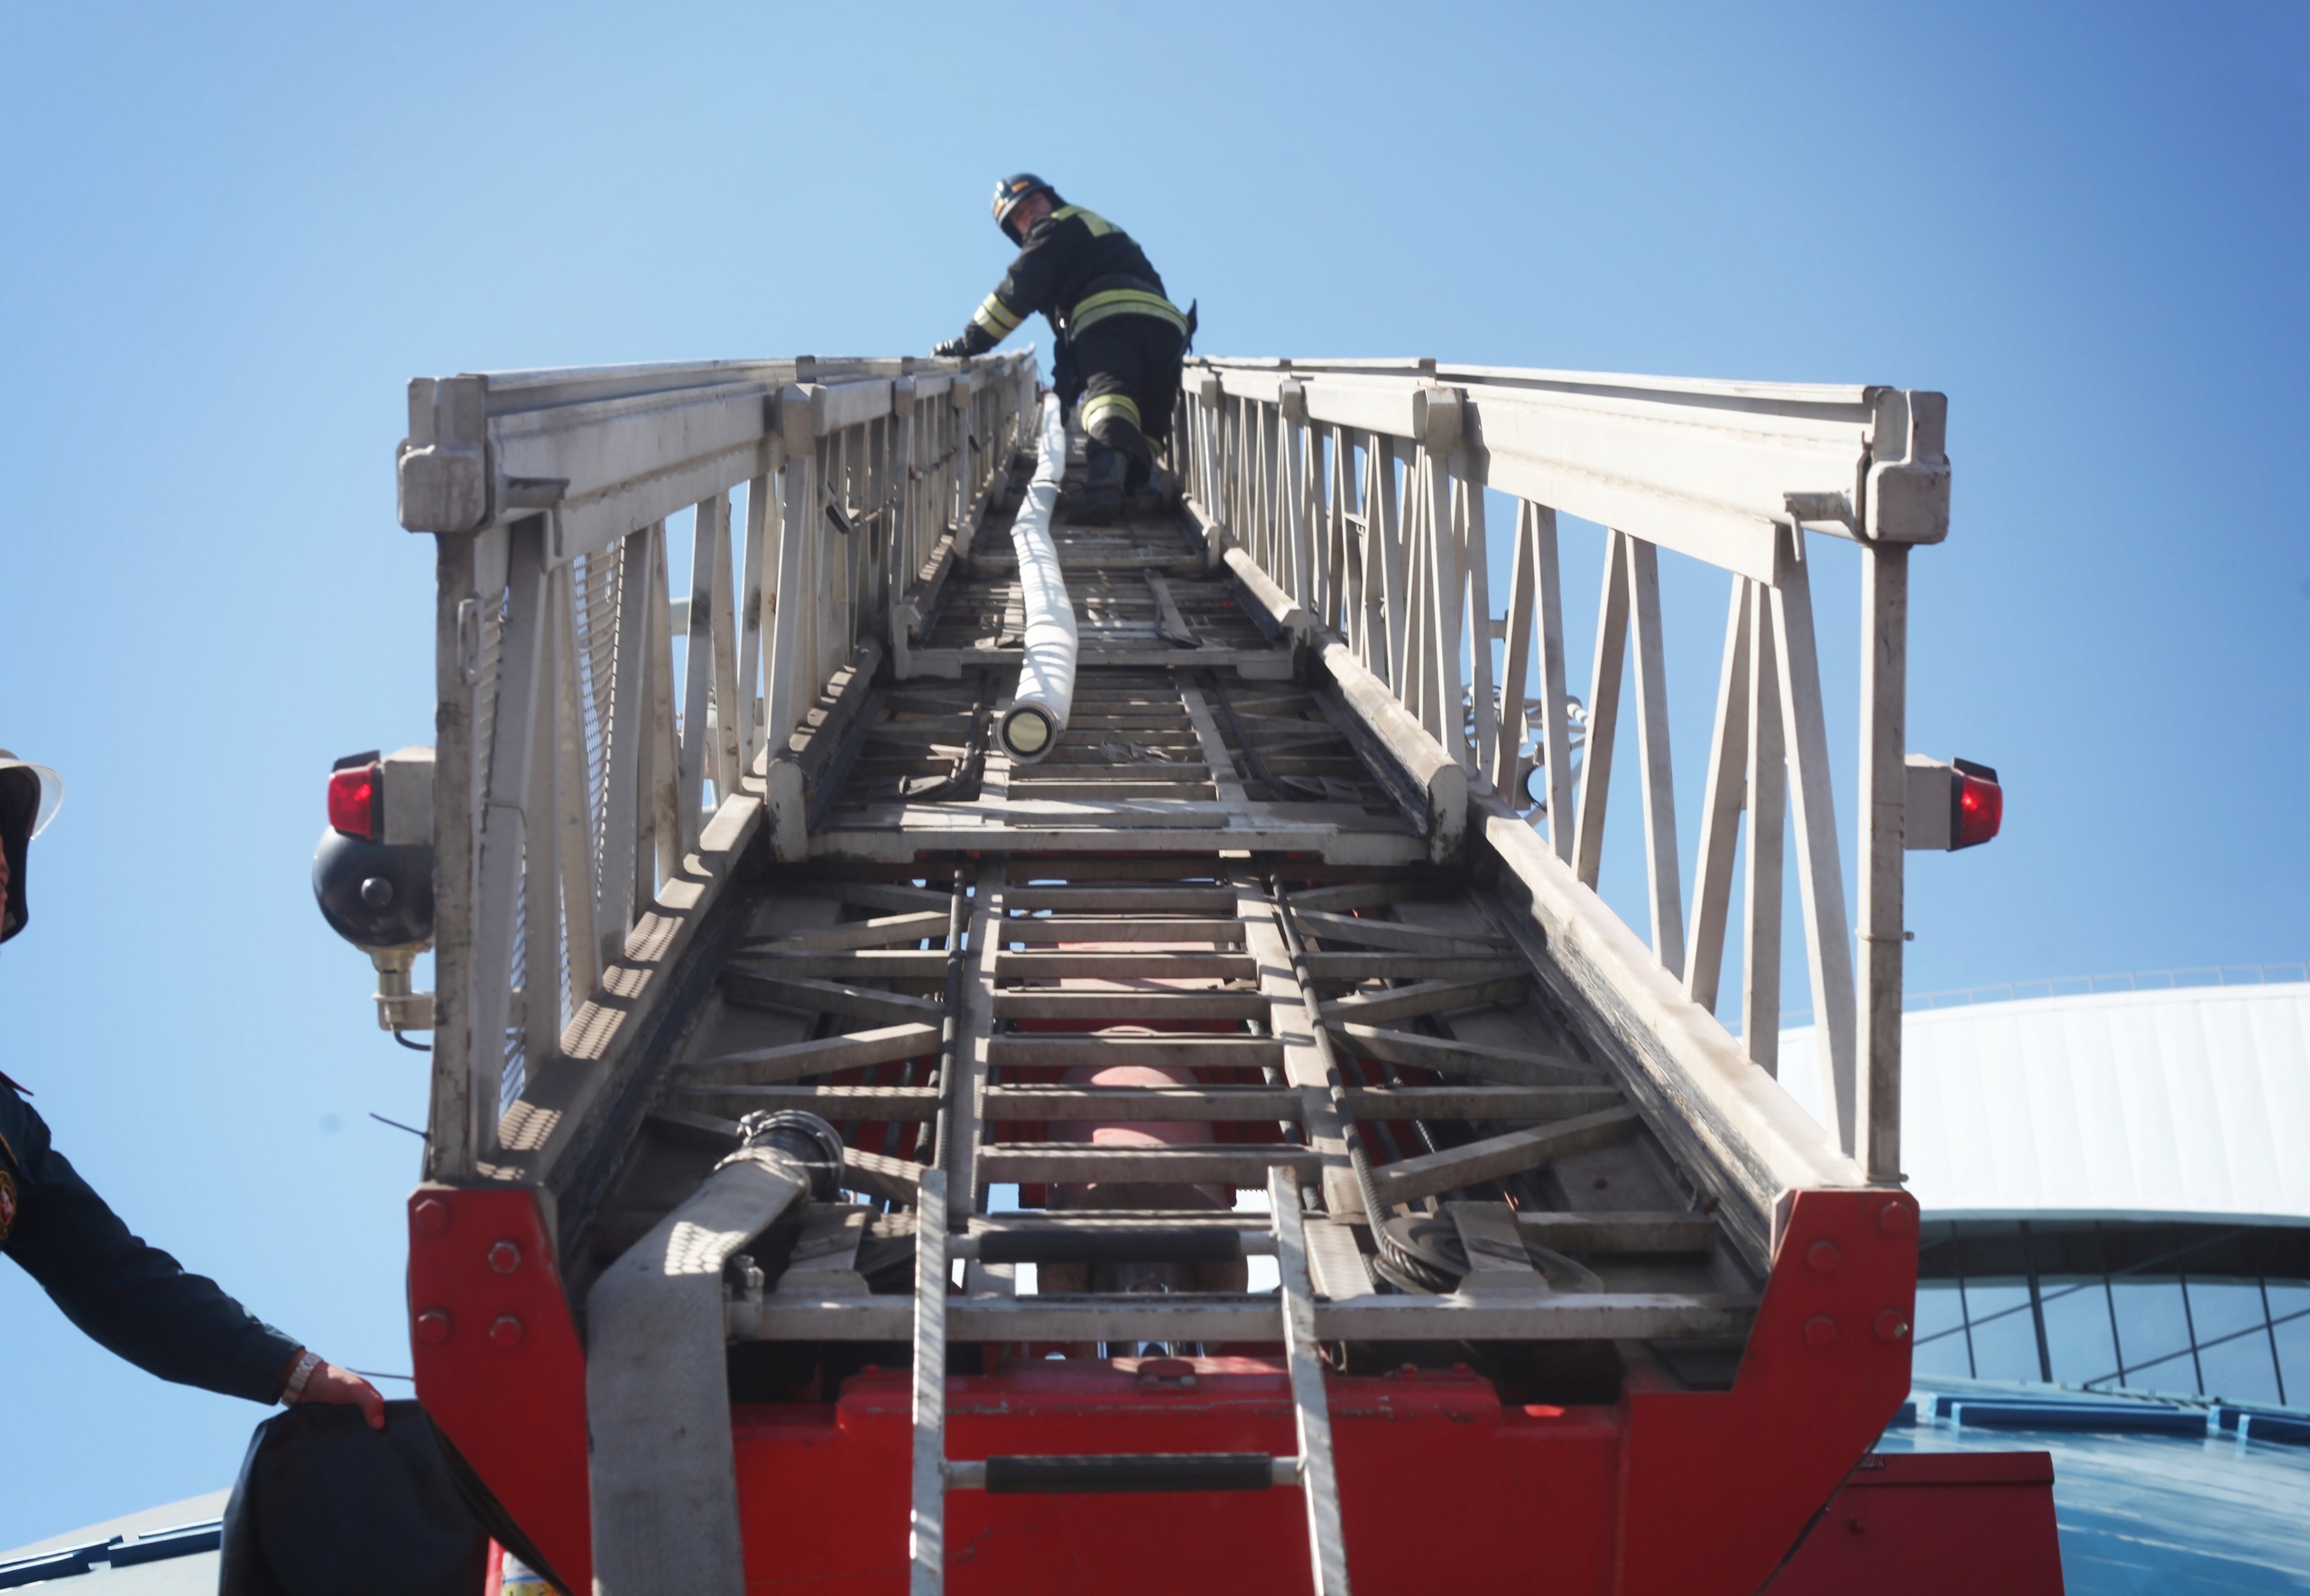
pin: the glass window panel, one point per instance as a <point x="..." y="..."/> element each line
<point x="2288" y="1297"/>
<point x="1944" y="1357"/>
<point x="1940" y="1343"/>
<point x="2077" y="1329"/>
<point x="2169" y="1374"/>
<point x="1939" y="1308"/>
<point x="2218" y="1308"/>
<point x="2150" y="1322"/>
<point x="2293" y="1355"/>
<point x="2005" y="1337"/>
<point x="2239" y="1367"/>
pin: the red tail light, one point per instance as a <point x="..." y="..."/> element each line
<point x="356" y="806"/>
<point x="1977" y="806"/>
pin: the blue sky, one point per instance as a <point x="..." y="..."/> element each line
<point x="231" y="234"/>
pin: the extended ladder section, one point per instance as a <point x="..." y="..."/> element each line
<point x="1141" y="992"/>
<point x="1251" y="1065"/>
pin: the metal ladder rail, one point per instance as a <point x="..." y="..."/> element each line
<point x="1311" y="1470"/>
<point x="927" y="1520"/>
<point x="1318" y="1481"/>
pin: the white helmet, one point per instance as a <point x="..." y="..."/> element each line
<point x="52" y="790"/>
<point x="30" y="796"/>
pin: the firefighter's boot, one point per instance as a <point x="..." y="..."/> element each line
<point x="1102" y="473"/>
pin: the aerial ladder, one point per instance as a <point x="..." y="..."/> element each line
<point x="970" y="1052"/>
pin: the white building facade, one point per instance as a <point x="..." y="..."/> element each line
<point x="2115" y="1186"/>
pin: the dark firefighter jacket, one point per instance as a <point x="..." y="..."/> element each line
<point x="132" y="1298"/>
<point x="1077" y="269"/>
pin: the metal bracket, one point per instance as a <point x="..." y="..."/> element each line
<point x="1820" y="507"/>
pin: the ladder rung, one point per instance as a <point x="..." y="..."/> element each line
<point x="1214" y="1316"/>
<point x="1082" y="929"/>
<point x="1117" y="1473"/>
<point x="1203" y="901"/>
<point x="1253" y="1103"/>
<point x="1281" y="1104"/>
<point x="1114" y="966"/>
<point x="1056" y="1051"/>
<point x="1174" y="780"/>
<point x="1217" y="1164"/>
<point x="1182" y="778"/>
<point x="1038" y="1220"/>
<point x="1142" y="1006"/>
<point x="1112" y="1244"/>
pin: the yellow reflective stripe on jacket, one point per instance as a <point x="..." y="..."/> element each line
<point x="1100" y="406"/>
<point x="1123" y="302"/>
<point x="1100" y="226"/>
<point x="995" y="317"/>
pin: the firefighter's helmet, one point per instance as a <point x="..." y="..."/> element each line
<point x="1011" y="192"/>
<point x="29" y="797"/>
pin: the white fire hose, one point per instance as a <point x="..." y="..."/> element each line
<point x="1038" y="713"/>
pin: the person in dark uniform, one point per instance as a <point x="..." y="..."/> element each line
<point x="1120" y="340"/>
<point x="130" y="1298"/>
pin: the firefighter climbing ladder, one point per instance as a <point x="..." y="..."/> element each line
<point x="1299" y="904"/>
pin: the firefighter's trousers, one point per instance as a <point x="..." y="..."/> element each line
<point x="1129" y="369"/>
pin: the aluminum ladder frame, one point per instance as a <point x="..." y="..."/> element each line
<point x="933" y="1475"/>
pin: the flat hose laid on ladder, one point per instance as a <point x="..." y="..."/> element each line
<point x="1038" y="713"/>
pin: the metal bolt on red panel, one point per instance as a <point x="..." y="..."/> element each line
<point x="499" y="1362"/>
<point x="1897" y="1219"/>
<point x="1822" y="1257"/>
<point x="1820" y="1332"/>
<point x="1892" y="1325"/>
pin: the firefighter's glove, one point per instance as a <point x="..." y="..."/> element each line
<point x="947" y="349"/>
